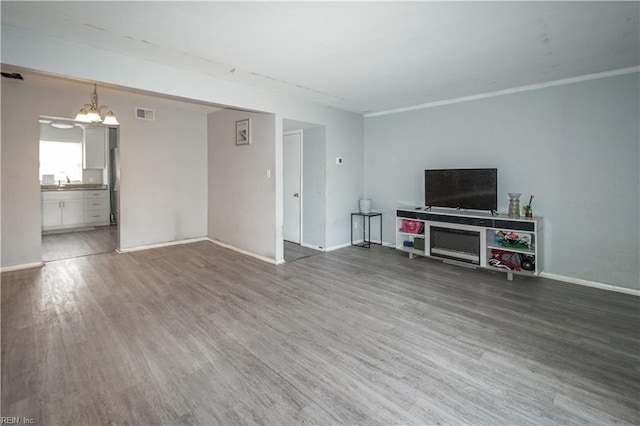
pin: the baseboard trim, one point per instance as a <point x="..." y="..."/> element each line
<point x="23" y="266"/>
<point x="360" y="241"/>
<point x="589" y="283"/>
<point x="339" y="246"/>
<point x="160" y="245"/>
<point x="246" y="252"/>
<point x="311" y="246"/>
<point x="383" y="243"/>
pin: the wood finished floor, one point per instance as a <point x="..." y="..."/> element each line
<point x="198" y="334"/>
<point x="65" y="245"/>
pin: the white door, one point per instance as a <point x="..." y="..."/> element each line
<point x="292" y="186"/>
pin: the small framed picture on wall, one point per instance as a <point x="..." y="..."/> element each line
<point x="243" y="132"/>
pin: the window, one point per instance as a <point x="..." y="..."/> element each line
<point x="61" y="159"/>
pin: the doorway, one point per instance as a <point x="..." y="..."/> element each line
<point x="292" y="162"/>
<point x="304" y="179"/>
<point x="75" y="168"/>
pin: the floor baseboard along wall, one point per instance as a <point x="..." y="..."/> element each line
<point x="248" y="253"/>
<point x="160" y="245"/>
<point x="588" y="283"/>
<point x="23" y="266"/>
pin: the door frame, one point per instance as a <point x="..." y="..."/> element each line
<point x="301" y="162"/>
<point x="107" y="165"/>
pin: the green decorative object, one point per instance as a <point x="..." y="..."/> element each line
<point x="512" y="240"/>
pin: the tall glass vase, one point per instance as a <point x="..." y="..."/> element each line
<point x="514" y="204"/>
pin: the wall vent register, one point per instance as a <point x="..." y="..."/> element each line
<point x="145" y="114"/>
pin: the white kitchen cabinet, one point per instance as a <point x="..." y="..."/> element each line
<point x="95" y="139"/>
<point x="72" y="212"/>
<point x="62" y="213"/>
<point x="96" y="207"/>
<point x="70" y="209"/>
<point x="51" y="213"/>
<point x="62" y="209"/>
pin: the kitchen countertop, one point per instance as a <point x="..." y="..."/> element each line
<point x="73" y="187"/>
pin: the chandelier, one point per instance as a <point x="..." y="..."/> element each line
<point x="90" y="113"/>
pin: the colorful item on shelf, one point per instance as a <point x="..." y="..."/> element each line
<point x="528" y="209"/>
<point x="512" y="240"/>
<point x="528" y="262"/>
<point x="505" y="260"/>
<point x="412" y="226"/>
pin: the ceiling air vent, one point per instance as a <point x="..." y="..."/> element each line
<point x="145" y="114"/>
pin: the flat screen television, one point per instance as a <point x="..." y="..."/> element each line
<point x="473" y="189"/>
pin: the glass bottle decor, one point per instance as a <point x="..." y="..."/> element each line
<point x="514" y="204"/>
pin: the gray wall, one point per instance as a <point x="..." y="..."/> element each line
<point x="163" y="165"/>
<point x="313" y="217"/>
<point x="163" y="171"/>
<point x="576" y="147"/>
<point x="241" y="197"/>
<point x="20" y="192"/>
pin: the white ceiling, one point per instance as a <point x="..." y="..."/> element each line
<point x="361" y="56"/>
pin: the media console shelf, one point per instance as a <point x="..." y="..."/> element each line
<point x="499" y="243"/>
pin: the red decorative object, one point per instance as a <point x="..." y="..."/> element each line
<point x="411" y="226"/>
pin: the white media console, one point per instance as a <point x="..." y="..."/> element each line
<point x="500" y="243"/>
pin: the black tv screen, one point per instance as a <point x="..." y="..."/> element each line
<point x="474" y="189"/>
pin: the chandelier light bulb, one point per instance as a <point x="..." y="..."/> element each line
<point x="82" y="116"/>
<point x="110" y="119"/>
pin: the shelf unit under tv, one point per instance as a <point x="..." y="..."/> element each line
<point x="469" y="238"/>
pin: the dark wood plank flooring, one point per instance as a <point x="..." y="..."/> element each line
<point x="65" y="245"/>
<point x="198" y="334"/>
